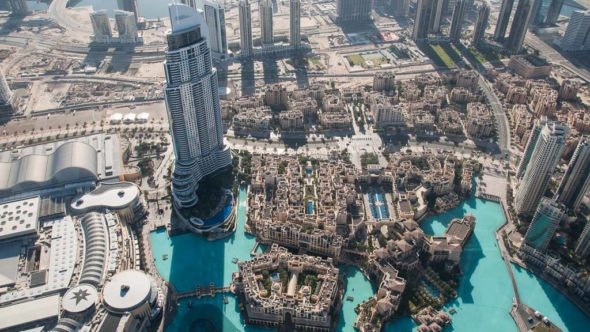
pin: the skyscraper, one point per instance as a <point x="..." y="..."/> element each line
<point x="192" y="101"/>
<point x="481" y="24"/>
<point x="399" y="8"/>
<point x="353" y="10"/>
<point x="126" y="26"/>
<point x="457" y="21"/>
<point x="295" y="23"/>
<point x="436" y="16"/>
<point x="546" y="11"/>
<point x="422" y="21"/>
<point x="530" y="146"/>
<point x="101" y="26"/>
<point x="519" y="26"/>
<point x="245" y="28"/>
<point x="265" y="10"/>
<point x="191" y="3"/>
<point x="19" y="7"/>
<point x="215" y="18"/>
<point x="577" y="34"/>
<point x="6" y="97"/>
<point x="129" y="6"/>
<point x="538" y="173"/>
<point x="554" y="11"/>
<point x="544" y="223"/>
<point x="503" y="19"/>
<point x="576" y="180"/>
<point x="583" y="245"/>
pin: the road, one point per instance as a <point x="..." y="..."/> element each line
<point x="501" y="119"/>
<point x="555" y="57"/>
<point x="57" y="10"/>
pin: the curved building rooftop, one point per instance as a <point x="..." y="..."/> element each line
<point x="79" y="298"/>
<point x="60" y="163"/>
<point x="95" y="248"/>
<point x="112" y="196"/>
<point x="127" y="291"/>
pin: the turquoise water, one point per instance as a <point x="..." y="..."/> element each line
<point x="485" y="291"/>
<point x="543" y="297"/>
<point x="192" y="260"/>
<point x="147" y="8"/>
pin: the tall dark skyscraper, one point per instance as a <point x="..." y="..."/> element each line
<point x="481" y="24"/>
<point x="192" y="102"/>
<point x="546" y="11"/>
<point x="554" y="11"/>
<point x="295" y="23"/>
<point x="576" y="180"/>
<point x="129" y="6"/>
<point x="519" y="26"/>
<point x="399" y="8"/>
<point x="436" y="16"/>
<point x="422" y="21"/>
<point x="457" y="21"/>
<point x="245" y="15"/>
<point x="503" y="19"/>
<point x="353" y="10"/>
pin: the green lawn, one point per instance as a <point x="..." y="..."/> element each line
<point x="356" y="60"/>
<point x="443" y="56"/>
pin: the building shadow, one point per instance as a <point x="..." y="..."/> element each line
<point x="270" y="70"/>
<point x="12" y="24"/>
<point x="96" y="54"/>
<point x="248" y="79"/>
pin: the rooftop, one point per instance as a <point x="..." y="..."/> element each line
<point x="19" y="218"/>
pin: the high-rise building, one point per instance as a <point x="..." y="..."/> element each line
<point x="19" y="7"/>
<point x="583" y="245"/>
<point x="245" y="14"/>
<point x="265" y="10"/>
<point x="129" y="6"/>
<point x="576" y="180"/>
<point x="101" y="26"/>
<point x="295" y="23"/>
<point x="546" y="11"/>
<point x="422" y="21"/>
<point x="544" y="224"/>
<point x="353" y="10"/>
<point x="192" y="102"/>
<point x="538" y="173"/>
<point x="436" y="16"/>
<point x="554" y="11"/>
<point x="519" y="26"/>
<point x="126" y="26"/>
<point x="457" y="21"/>
<point x="215" y="18"/>
<point x="530" y="146"/>
<point x="6" y="97"/>
<point x="481" y="24"/>
<point x="577" y="33"/>
<point x="192" y="3"/>
<point x="503" y="19"/>
<point x="399" y="8"/>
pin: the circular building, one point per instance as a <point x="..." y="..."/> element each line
<point x="134" y="292"/>
<point x="79" y="299"/>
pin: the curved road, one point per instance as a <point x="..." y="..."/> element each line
<point x="57" y="10"/>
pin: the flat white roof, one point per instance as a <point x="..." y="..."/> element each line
<point x="112" y="196"/>
<point x="62" y="260"/>
<point x="127" y="290"/>
<point x="28" y="312"/>
<point x="19" y="218"/>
